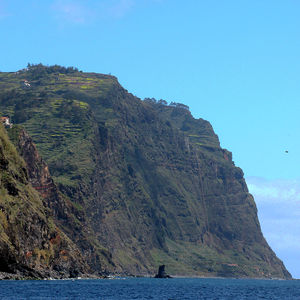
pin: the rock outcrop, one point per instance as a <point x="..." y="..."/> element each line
<point x="162" y="273"/>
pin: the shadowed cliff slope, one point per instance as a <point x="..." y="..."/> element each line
<point x="152" y="183"/>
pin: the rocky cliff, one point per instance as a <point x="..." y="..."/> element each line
<point x="31" y="245"/>
<point x="68" y="217"/>
<point x="150" y="183"/>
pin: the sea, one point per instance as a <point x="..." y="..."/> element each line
<point x="150" y="288"/>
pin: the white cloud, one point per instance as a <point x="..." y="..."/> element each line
<point x="278" y="203"/>
<point x="279" y="190"/>
<point x="286" y="241"/>
<point x="76" y="12"/>
<point x="85" y="11"/>
<point x="81" y="12"/>
<point x="3" y="12"/>
<point x="120" y="8"/>
<point x="263" y="191"/>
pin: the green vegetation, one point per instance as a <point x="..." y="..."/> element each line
<point x="25" y="227"/>
<point x="52" y="111"/>
<point x="142" y="178"/>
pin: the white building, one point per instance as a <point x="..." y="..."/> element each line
<point x="6" y="122"/>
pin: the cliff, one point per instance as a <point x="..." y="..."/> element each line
<point x="150" y="183"/>
<point x="31" y="245"/>
<point x="69" y="217"/>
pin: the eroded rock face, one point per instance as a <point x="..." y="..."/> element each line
<point x="39" y="175"/>
<point x="59" y="207"/>
<point x="144" y="180"/>
<point x="31" y="245"/>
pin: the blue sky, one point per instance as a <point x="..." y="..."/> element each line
<point x="235" y="63"/>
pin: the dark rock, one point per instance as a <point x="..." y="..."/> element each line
<point x="162" y="273"/>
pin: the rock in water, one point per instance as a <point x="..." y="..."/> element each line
<point x="162" y="273"/>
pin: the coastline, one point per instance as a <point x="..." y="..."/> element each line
<point x="10" y="276"/>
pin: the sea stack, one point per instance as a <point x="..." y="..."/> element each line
<point x="162" y="273"/>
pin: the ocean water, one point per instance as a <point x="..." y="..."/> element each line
<point x="150" y="288"/>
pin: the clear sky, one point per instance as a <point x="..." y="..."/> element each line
<point x="235" y="63"/>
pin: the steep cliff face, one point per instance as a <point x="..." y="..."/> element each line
<point x="67" y="216"/>
<point x="38" y="171"/>
<point x="31" y="245"/>
<point x="152" y="183"/>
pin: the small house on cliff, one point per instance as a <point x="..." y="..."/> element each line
<point x="26" y="83"/>
<point x="6" y="122"/>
